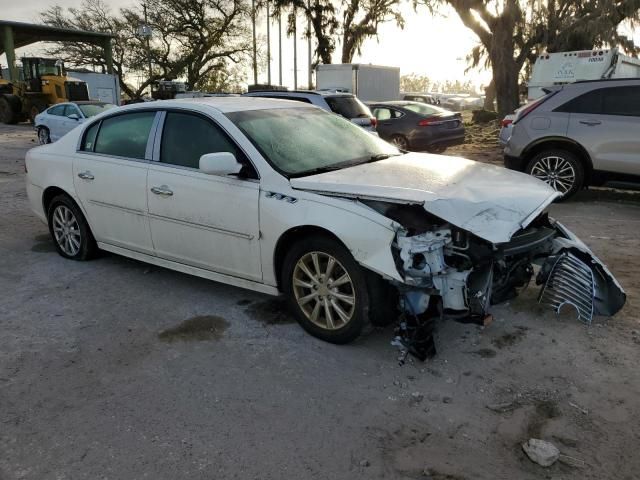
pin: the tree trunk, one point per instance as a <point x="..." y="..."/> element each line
<point x="490" y="96"/>
<point x="505" y="71"/>
<point x="348" y="49"/>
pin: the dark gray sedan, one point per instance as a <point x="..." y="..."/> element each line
<point x="419" y="127"/>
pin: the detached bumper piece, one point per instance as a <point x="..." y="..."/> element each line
<point x="570" y="282"/>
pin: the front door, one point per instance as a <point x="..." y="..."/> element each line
<point x="110" y="177"/>
<point x="206" y="221"/>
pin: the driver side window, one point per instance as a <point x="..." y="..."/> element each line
<point x="186" y="137"/>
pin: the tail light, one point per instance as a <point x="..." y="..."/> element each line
<point x="506" y="122"/>
<point x="427" y="122"/>
<point x="374" y="122"/>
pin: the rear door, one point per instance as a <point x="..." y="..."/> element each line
<point x="388" y="121"/>
<point x="110" y="178"/>
<point x="606" y="122"/>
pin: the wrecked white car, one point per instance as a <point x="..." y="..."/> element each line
<point x="282" y="197"/>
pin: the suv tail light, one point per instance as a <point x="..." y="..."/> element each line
<point x="374" y="122"/>
<point x="506" y="122"/>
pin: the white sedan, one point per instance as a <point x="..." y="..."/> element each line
<point x="282" y="197"/>
<point x="61" y="118"/>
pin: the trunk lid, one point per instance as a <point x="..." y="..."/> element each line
<point x="488" y="201"/>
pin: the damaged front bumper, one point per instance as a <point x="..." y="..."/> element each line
<point x="465" y="275"/>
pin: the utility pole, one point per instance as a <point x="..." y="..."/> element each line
<point x="280" y="48"/>
<point x="309" y="44"/>
<point x="295" y="49"/>
<point x="255" y="53"/>
<point x="146" y="31"/>
<point x="268" y="46"/>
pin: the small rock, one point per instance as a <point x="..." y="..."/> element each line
<point x="447" y="399"/>
<point x="364" y="463"/>
<point x="417" y="397"/>
<point x="541" y="452"/>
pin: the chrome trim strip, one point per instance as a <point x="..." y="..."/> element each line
<point x="203" y="226"/>
<point x="118" y="207"/>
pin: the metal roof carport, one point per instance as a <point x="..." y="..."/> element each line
<point x="18" y="34"/>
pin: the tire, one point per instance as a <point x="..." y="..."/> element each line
<point x="7" y="111"/>
<point x="438" y="149"/>
<point x="400" y="141"/>
<point x="43" y="136"/>
<point x="318" y="315"/>
<point x="69" y="229"/>
<point x="560" y="169"/>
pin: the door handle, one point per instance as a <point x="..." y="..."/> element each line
<point x="591" y="123"/>
<point x="86" y="175"/>
<point x="162" y="190"/>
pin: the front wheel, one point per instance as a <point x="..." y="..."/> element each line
<point x="560" y="169"/>
<point x="43" y="136"/>
<point x="326" y="289"/>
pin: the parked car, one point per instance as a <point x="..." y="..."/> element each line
<point x="61" y="118"/>
<point x="421" y="98"/>
<point x="580" y="134"/>
<point x="250" y="192"/>
<point x="416" y="126"/>
<point x="344" y="104"/>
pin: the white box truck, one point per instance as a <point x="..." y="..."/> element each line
<point x="367" y="82"/>
<point x="102" y="86"/>
<point x="568" y="67"/>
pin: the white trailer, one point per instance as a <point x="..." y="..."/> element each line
<point x="367" y="82"/>
<point x="568" y="67"/>
<point x="102" y="86"/>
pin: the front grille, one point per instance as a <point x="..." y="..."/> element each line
<point x="570" y="282"/>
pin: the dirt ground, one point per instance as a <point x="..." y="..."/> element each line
<point x="114" y="369"/>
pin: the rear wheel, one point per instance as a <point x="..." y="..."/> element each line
<point x="560" y="169"/>
<point x="400" y="141"/>
<point x="326" y="289"/>
<point x="69" y="229"/>
<point x="43" y="136"/>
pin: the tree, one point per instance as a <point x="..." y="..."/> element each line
<point x="192" y="39"/>
<point x="511" y="31"/>
<point x="360" y="20"/>
<point x="414" y="83"/>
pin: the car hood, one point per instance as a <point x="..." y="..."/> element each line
<point x="489" y="201"/>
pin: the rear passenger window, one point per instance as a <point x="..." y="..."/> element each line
<point x="590" y="102"/>
<point x="57" y="110"/>
<point x="90" y="138"/>
<point x="348" y="107"/>
<point x="125" y="135"/>
<point x="186" y="137"/>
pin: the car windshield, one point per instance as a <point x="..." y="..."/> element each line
<point x="423" y="109"/>
<point x="348" y="107"/>
<point x="305" y="141"/>
<point x="91" y="109"/>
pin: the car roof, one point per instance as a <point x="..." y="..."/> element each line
<point x="223" y="104"/>
<point x="322" y="93"/>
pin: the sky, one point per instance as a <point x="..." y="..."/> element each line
<point x="435" y="46"/>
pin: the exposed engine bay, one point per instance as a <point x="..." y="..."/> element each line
<point x="450" y="273"/>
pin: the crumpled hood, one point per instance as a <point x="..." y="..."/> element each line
<point x="486" y="200"/>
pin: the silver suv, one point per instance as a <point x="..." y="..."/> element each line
<point x="584" y="133"/>
<point x="344" y="104"/>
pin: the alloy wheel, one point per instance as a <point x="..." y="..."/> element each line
<point x="324" y="290"/>
<point x="556" y="171"/>
<point x="66" y="230"/>
<point x="400" y="142"/>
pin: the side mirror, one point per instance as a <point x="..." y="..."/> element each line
<point x="220" y="163"/>
<point x="73" y="116"/>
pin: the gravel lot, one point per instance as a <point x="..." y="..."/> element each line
<point x="101" y="378"/>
